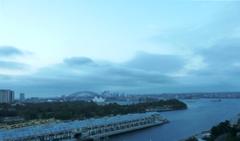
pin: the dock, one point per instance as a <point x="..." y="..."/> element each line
<point x="84" y="130"/>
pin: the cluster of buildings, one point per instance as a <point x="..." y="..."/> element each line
<point x="8" y="96"/>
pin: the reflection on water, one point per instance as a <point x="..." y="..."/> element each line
<point x="201" y="115"/>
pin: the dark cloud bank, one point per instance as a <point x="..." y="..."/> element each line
<point x="8" y="52"/>
<point x="81" y="73"/>
<point x="145" y="73"/>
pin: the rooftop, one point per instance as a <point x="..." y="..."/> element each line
<point x="66" y="126"/>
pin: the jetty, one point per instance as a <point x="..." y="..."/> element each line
<point x="84" y="130"/>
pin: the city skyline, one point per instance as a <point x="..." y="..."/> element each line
<point x="51" y="48"/>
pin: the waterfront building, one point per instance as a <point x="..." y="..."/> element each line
<point x="6" y="96"/>
<point x="89" y="129"/>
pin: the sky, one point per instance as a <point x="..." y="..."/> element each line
<point x="57" y="47"/>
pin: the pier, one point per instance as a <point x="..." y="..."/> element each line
<point x="84" y="130"/>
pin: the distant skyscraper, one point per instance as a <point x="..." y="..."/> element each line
<point x="6" y="96"/>
<point x="22" y="96"/>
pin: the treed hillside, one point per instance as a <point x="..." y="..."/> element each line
<point x="82" y="109"/>
<point x="224" y="131"/>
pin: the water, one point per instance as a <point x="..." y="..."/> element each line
<point x="201" y="115"/>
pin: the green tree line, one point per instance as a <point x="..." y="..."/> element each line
<point x="81" y="109"/>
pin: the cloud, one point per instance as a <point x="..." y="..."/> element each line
<point x="104" y="73"/>
<point x="221" y="69"/>
<point x="12" y="65"/>
<point x="225" y="52"/>
<point x="155" y="62"/>
<point x="4" y="77"/>
<point x="10" y="51"/>
<point x="77" y="61"/>
<point x="222" y="58"/>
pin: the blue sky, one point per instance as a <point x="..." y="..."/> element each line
<point x="50" y="48"/>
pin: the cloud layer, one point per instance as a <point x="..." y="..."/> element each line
<point x="11" y="65"/>
<point x="7" y="61"/>
<point x="81" y="73"/>
<point x="144" y="73"/>
<point x="6" y="51"/>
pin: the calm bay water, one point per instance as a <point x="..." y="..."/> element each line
<point x="201" y="115"/>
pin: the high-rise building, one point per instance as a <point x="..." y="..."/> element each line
<point x="6" y="96"/>
<point x="22" y="97"/>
